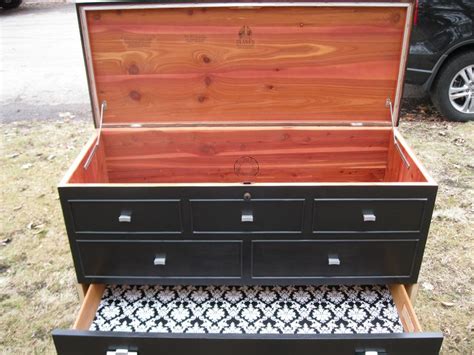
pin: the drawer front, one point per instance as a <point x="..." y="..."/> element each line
<point x="317" y="259"/>
<point x="148" y="259"/>
<point x="70" y="342"/>
<point x="157" y="216"/>
<point x="368" y="215"/>
<point x="237" y="216"/>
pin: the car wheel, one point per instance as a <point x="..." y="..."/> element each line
<point x="10" y="4"/>
<point x="453" y="92"/>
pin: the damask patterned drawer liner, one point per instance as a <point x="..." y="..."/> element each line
<point x="248" y="309"/>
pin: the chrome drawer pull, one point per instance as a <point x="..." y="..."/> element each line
<point x="247" y="217"/>
<point x="369" y="217"/>
<point x="121" y="352"/>
<point x="370" y="352"/>
<point x="125" y="216"/>
<point x="333" y="260"/>
<point x="160" y="260"/>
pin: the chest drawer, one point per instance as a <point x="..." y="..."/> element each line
<point x="343" y="259"/>
<point x="269" y="320"/>
<point x="156" y="216"/>
<point x="368" y="215"/>
<point x="238" y="216"/>
<point x="140" y="260"/>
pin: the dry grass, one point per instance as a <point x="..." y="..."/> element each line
<point x="446" y="298"/>
<point x="37" y="281"/>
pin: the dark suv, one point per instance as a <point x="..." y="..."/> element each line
<point x="10" y="4"/>
<point x="442" y="55"/>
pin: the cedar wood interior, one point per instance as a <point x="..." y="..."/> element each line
<point x="400" y="297"/>
<point x="283" y="155"/>
<point x="219" y="84"/>
<point x="256" y="64"/>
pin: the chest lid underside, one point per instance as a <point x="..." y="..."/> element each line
<point x="247" y="64"/>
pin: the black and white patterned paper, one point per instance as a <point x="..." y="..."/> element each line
<point x="248" y="309"/>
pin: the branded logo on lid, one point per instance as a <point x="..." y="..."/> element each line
<point x="246" y="166"/>
<point x="245" y="38"/>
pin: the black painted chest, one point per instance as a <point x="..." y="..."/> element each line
<point x="247" y="146"/>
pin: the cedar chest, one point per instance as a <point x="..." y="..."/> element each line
<point x="246" y="146"/>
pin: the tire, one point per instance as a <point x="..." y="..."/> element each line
<point x="10" y="4"/>
<point x="450" y="77"/>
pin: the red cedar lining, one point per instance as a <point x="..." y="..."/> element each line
<point x="97" y="170"/>
<point x="284" y="154"/>
<point x="396" y="169"/>
<point x="282" y="64"/>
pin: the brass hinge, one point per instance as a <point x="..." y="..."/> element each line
<point x="103" y="108"/>
<point x="388" y="104"/>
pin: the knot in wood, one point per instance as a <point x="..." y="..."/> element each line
<point x="133" y="69"/>
<point x="135" y="95"/>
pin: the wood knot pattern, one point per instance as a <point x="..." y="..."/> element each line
<point x="135" y="95"/>
<point x="301" y="64"/>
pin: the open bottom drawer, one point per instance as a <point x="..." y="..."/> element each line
<point x="250" y="320"/>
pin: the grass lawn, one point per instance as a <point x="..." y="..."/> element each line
<point x="37" y="280"/>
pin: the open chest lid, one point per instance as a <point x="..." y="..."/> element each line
<point x="307" y="63"/>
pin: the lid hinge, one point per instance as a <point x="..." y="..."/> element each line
<point x="388" y="104"/>
<point x="103" y="108"/>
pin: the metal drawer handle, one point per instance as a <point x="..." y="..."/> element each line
<point x="247" y="217"/>
<point x="334" y="260"/>
<point x="369" y="217"/>
<point x="121" y="352"/>
<point x="160" y="259"/>
<point x="125" y="216"/>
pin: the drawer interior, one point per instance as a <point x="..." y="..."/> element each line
<point x="374" y="309"/>
<point x="247" y="155"/>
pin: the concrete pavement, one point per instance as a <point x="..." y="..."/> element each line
<point x="41" y="66"/>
